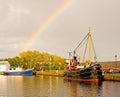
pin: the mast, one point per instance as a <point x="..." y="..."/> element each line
<point x="89" y="46"/>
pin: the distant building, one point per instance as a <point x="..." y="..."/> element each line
<point x="110" y="64"/>
<point x="4" y="65"/>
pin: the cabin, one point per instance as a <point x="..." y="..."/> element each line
<point x="4" y="65"/>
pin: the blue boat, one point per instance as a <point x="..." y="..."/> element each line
<point x="19" y="71"/>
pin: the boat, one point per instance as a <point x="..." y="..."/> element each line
<point x="18" y="71"/>
<point x="87" y="70"/>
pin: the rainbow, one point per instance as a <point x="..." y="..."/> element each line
<point x="64" y="7"/>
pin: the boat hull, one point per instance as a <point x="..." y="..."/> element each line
<point x="89" y="74"/>
<point x="28" y="72"/>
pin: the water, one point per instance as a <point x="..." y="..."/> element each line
<point x="49" y="86"/>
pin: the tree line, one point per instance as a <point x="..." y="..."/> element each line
<point x="37" y="60"/>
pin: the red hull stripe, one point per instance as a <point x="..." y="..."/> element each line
<point x="83" y="80"/>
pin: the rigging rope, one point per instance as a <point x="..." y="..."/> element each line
<point x="86" y="37"/>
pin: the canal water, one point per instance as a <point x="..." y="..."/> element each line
<point x="50" y="86"/>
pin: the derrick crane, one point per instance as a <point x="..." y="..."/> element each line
<point x="89" y="46"/>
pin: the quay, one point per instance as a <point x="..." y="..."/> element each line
<point x="107" y="76"/>
<point x="1" y="73"/>
<point x="60" y="73"/>
<point x="112" y="77"/>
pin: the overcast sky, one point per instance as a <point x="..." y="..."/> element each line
<point x="19" y="19"/>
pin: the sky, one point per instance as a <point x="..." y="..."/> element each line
<point x="21" y="19"/>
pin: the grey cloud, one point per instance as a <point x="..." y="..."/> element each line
<point x="20" y="19"/>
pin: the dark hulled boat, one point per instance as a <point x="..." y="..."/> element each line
<point x="91" y="73"/>
<point x="87" y="70"/>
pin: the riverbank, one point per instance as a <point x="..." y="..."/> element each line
<point x="112" y="77"/>
<point x="1" y="73"/>
<point x="50" y="73"/>
<point x="107" y="76"/>
<point x="60" y="73"/>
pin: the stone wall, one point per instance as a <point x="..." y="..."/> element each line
<point x="110" y="64"/>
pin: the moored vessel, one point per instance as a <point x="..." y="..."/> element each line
<point x="87" y="70"/>
<point x="19" y="71"/>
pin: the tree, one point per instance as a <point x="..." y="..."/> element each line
<point x="37" y="60"/>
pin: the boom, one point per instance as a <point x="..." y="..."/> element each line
<point x="89" y="47"/>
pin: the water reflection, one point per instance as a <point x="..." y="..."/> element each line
<point x="111" y="89"/>
<point x="48" y="86"/>
<point x="76" y="89"/>
<point x="72" y="89"/>
<point x="3" y="85"/>
<point x="91" y="89"/>
<point x="10" y="85"/>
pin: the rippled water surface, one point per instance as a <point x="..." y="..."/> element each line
<point x="49" y="86"/>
